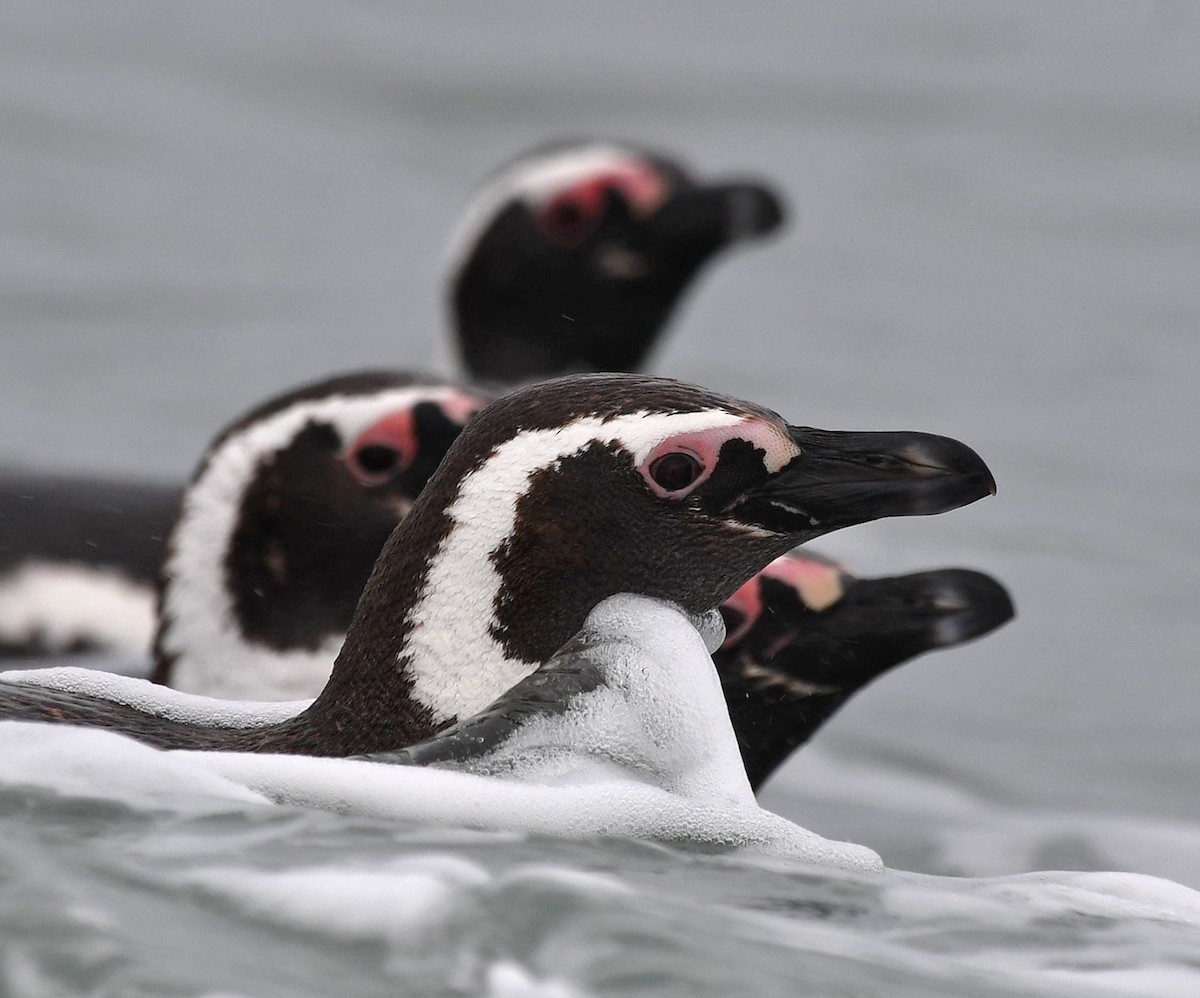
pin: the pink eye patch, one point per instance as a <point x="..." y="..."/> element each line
<point x="667" y="481"/>
<point x="391" y="444"/>
<point x="387" y="446"/>
<point x="818" y="584"/>
<point x="576" y="210"/>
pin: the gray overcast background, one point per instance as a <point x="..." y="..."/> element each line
<point x="996" y="236"/>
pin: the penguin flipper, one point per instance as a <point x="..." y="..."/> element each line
<point x="571" y="672"/>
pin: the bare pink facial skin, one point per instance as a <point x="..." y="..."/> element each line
<point x="571" y="213"/>
<point x="818" y="583"/>
<point x="705" y="447"/>
<point x="397" y="431"/>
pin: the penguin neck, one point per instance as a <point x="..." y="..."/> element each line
<point x="426" y="646"/>
<point x="482" y="583"/>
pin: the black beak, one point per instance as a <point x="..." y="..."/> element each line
<point x="751" y="210"/>
<point x="716" y="215"/>
<point x="936" y="609"/>
<point x="840" y="479"/>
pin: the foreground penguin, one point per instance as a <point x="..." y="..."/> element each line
<point x="291" y="504"/>
<point x="553" y="499"/>
<point x="571" y="258"/>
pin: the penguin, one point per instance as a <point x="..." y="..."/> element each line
<point x="573" y="257"/>
<point x="564" y="248"/>
<point x="805" y="635"/>
<point x="78" y="559"/>
<point x="552" y="499"/>
<point x="292" y="503"/>
<point x="282" y="522"/>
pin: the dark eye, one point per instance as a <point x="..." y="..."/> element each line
<point x="565" y="217"/>
<point x="377" y="460"/>
<point x="675" y="471"/>
<point x="570" y="217"/>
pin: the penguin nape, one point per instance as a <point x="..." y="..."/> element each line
<point x="606" y="234"/>
<point x="804" y="636"/>
<point x="554" y="498"/>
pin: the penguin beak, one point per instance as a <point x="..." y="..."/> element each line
<point x="711" y="216"/>
<point x="880" y="623"/>
<point x="840" y="479"/>
<point x="936" y="609"/>
<point x="750" y="210"/>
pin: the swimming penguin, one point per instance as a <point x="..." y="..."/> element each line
<point x="566" y="247"/>
<point x="574" y="256"/>
<point x="552" y="499"/>
<point x="283" y="521"/>
<point x="804" y="635"/>
<point x="281" y="525"/>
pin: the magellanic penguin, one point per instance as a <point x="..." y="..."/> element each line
<point x="569" y="258"/>
<point x="554" y="498"/>
<point x="573" y="257"/>
<point x="78" y="558"/>
<point x="291" y="504"/>
<point x="282" y="522"/>
<point x="805" y="635"/>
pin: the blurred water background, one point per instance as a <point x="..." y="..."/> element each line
<point x="996" y="237"/>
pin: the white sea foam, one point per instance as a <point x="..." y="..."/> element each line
<point x="160" y="700"/>
<point x="649" y="754"/>
<point x="88" y="762"/>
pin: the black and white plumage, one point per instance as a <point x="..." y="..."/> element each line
<point x="282" y="522"/>
<point x="609" y="701"/>
<point x="622" y="733"/>
<point x="530" y="297"/>
<point x="574" y="257"/>
<point x="554" y="498"/>
<point x="78" y="558"/>
<point x="805" y="635"/>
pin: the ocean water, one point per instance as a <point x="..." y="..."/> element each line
<point x="996" y="235"/>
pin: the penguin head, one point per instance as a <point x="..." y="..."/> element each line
<point x="574" y="256"/>
<point x="805" y="625"/>
<point x="567" y="492"/>
<point x="282" y="522"/>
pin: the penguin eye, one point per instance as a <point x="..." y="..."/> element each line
<point x="374" y="464"/>
<point x="675" y="471"/>
<point x="574" y="214"/>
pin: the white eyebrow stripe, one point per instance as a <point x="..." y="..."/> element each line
<point x="531" y="180"/>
